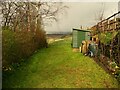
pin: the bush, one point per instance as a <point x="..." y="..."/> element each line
<point x="19" y="45"/>
<point x="8" y="47"/>
<point x="117" y="75"/>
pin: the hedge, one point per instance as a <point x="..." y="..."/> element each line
<point x="17" y="46"/>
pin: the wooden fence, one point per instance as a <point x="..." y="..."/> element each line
<point x="112" y="50"/>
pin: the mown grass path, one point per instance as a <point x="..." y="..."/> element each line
<point x="59" y="67"/>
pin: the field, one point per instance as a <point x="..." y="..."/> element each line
<point x="58" y="67"/>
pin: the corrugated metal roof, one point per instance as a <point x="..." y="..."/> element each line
<point x="82" y="30"/>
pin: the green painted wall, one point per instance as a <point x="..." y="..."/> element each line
<point x="78" y="37"/>
<point x="87" y="35"/>
<point x="81" y="37"/>
<point x="74" y="38"/>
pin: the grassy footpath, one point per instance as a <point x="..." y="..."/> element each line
<point x="59" y="67"/>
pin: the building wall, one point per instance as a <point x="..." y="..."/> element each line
<point x="79" y="36"/>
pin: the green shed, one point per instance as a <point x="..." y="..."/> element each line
<point x="78" y="36"/>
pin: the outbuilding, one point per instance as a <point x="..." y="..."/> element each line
<point x="78" y="36"/>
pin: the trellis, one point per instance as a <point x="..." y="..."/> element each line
<point x="110" y="26"/>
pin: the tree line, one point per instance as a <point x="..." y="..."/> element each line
<point x="23" y="28"/>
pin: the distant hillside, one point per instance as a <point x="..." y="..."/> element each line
<point x="55" y="32"/>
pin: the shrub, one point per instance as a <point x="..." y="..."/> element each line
<point x="19" y="45"/>
<point x="117" y="75"/>
<point x="8" y="47"/>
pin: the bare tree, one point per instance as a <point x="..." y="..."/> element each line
<point x="99" y="14"/>
<point x="24" y="14"/>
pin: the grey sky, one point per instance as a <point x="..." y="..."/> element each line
<point x="81" y="13"/>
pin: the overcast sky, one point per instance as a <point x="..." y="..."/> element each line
<point x="81" y="13"/>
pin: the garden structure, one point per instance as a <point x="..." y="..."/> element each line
<point x="108" y="48"/>
<point x="78" y="36"/>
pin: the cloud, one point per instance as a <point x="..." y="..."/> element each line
<point x="81" y="14"/>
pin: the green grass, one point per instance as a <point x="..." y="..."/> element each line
<point x="59" y="67"/>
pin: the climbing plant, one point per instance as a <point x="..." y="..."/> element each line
<point x="107" y="37"/>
